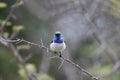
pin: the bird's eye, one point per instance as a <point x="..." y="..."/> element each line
<point x="57" y="35"/>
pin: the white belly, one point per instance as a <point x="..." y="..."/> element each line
<point x="58" y="47"/>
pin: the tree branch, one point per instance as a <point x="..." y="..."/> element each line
<point x="9" y="15"/>
<point x="80" y="68"/>
<point x="17" y="55"/>
<point x="64" y="59"/>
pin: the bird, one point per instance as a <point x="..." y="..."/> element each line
<point x="57" y="44"/>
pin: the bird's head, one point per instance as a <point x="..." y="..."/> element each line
<point x="58" y="38"/>
<point x="57" y="34"/>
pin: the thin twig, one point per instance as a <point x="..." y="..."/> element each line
<point x="53" y="57"/>
<point x="80" y="68"/>
<point x="14" y="34"/>
<point x="9" y="42"/>
<point x="16" y="54"/>
<point x="20" y="59"/>
<point x="28" y="57"/>
<point x="9" y="15"/>
<point x="61" y="64"/>
<point x="64" y="59"/>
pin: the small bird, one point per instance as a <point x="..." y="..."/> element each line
<point x="58" y="45"/>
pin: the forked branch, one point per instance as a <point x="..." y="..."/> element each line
<point x="41" y="45"/>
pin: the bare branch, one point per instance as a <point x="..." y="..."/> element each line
<point x="61" y="64"/>
<point x="19" y="58"/>
<point x="14" y="34"/>
<point x="116" y="66"/>
<point x="16" y="54"/>
<point x="79" y="67"/>
<point x="28" y="57"/>
<point x="10" y="45"/>
<point x="63" y="59"/>
<point x="9" y="15"/>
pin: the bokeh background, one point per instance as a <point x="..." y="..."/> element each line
<point x="89" y="27"/>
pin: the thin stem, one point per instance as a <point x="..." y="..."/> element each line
<point x="9" y="15"/>
<point x="80" y="68"/>
<point x="19" y="59"/>
<point x="61" y="57"/>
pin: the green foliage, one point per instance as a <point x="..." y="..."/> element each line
<point x="8" y="23"/>
<point x="102" y="70"/>
<point x="8" y="64"/>
<point x="18" y="28"/>
<point x="6" y="34"/>
<point x="3" y="5"/>
<point x="116" y="77"/>
<point x="22" y="73"/>
<point x="19" y="3"/>
<point x="114" y="9"/>
<point x="30" y="68"/>
<point x="88" y="48"/>
<point x="115" y="3"/>
<point x="21" y="47"/>
<point x="44" y="77"/>
<point x="7" y="61"/>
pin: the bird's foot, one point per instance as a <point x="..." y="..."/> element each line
<point x="60" y="55"/>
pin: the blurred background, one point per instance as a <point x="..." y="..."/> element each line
<point x="90" y="28"/>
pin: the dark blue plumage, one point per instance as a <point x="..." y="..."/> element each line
<point x="58" y="38"/>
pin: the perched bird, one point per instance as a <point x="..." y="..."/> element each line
<point x="58" y="45"/>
